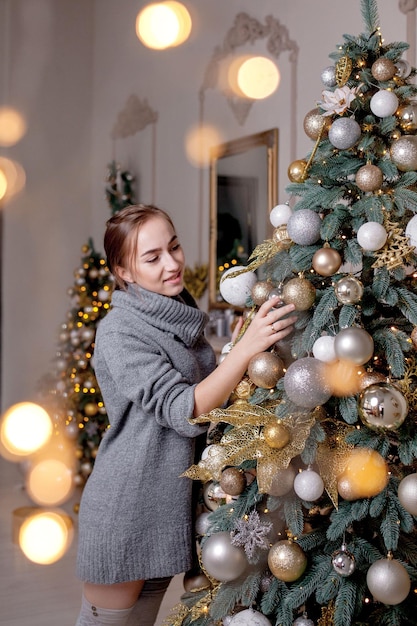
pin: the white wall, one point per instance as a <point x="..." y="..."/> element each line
<point x="74" y="70"/>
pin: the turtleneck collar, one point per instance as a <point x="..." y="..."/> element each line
<point x="162" y="312"/>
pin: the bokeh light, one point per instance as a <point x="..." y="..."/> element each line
<point x="161" y="25"/>
<point x="50" y="482"/>
<point x="46" y="536"/>
<point x="199" y="142"/>
<point x="15" y="177"/>
<point x="12" y="126"/>
<point x="3" y="184"/>
<point x="25" y="428"/>
<point x="256" y="77"/>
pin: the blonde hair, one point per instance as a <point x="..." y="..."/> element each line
<point x="121" y="235"/>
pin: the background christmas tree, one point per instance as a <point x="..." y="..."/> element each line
<point x="70" y="391"/>
<point x="309" y="503"/>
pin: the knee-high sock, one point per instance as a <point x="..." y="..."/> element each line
<point x="91" y="615"/>
<point x="145" y="611"/>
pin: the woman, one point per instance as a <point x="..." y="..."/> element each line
<point x="155" y="370"/>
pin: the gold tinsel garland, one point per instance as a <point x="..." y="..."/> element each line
<point x="195" y="280"/>
<point x="397" y="251"/>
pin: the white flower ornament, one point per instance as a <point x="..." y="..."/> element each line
<point x="337" y="101"/>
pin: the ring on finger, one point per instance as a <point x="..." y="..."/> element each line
<point x="273" y="328"/>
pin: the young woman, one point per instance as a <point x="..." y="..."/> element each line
<point x="155" y="370"/>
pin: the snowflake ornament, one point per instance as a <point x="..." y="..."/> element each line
<point x="250" y="533"/>
<point x="337" y="101"/>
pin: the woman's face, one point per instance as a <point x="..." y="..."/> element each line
<point x="158" y="259"/>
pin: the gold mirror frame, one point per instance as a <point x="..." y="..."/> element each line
<point x="267" y="139"/>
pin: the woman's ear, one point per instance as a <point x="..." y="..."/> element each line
<point x="124" y="274"/>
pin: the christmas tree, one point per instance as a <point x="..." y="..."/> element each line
<point x="70" y="391"/>
<point x="309" y="498"/>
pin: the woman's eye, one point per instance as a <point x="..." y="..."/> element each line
<point x="152" y="260"/>
<point x="176" y="247"/>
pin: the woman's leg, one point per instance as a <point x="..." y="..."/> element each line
<point x="109" y="605"/>
<point x="146" y="609"/>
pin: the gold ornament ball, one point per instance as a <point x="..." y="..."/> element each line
<point x="260" y="291"/>
<point x="371" y="378"/>
<point x="280" y="237"/>
<point x="326" y="261"/>
<point x="369" y="177"/>
<point x="297" y="171"/>
<point x="91" y="409"/>
<point x="276" y="435"/>
<point x="192" y="581"/>
<point x="300" y="292"/>
<point x="383" y="69"/>
<point x="365" y="475"/>
<point x="316" y="125"/>
<point x="287" y="561"/>
<point x="407" y="116"/>
<point x="232" y="481"/>
<point x="265" y="369"/>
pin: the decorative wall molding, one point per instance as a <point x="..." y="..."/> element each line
<point x="408" y="7"/>
<point x="246" y="30"/>
<point x="133" y="118"/>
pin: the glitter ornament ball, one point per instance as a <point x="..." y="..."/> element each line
<point x="237" y="289"/>
<point x="369" y="177"/>
<point x="370" y="378"/>
<point x="323" y="349"/>
<point x="384" y="103"/>
<point x="411" y="231"/>
<point x="222" y="560"/>
<point x="348" y="290"/>
<point x="260" y="291"/>
<point x="279" y="215"/>
<point x="343" y="562"/>
<point x="300" y="292"/>
<point x="364" y="476"/>
<point x="328" y="76"/>
<point x="297" y="171"/>
<point x="276" y="435"/>
<point x="407" y="493"/>
<point x="383" y="69"/>
<point x="249" y="617"/>
<point x="308" y="485"/>
<point x="344" y="133"/>
<point x="232" y="481"/>
<point x="326" y="261"/>
<point x="372" y="236"/>
<point x="303" y="621"/>
<point x="303" y="227"/>
<point x="403" y="153"/>
<point x="382" y="407"/>
<point x="388" y="581"/>
<point x="287" y="560"/>
<point x="305" y="383"/>
<point x="316" y="125"/>
<point x="265" y="369"/>
<point x="354" y="344"/>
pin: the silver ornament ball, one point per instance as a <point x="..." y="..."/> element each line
<point x="344" y="133"/>
<point x="305" y="383"/>
<point x="328" y="76"/>
<point x="407" y="493"/>
<point x="348" y="290"/>
<point x="388" y="581"/>
<point x="303" y="227"/>
<point x="354" y="344"/>
<point x="343" y="562"/>
<point x="404" y="153"/>
<point x="382" y="407"/>
<point x="222" y="560"/>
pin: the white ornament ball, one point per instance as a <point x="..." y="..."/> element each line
<point x="328" y="76"/>
<point x="221" y="559"/>
<point x="388" y="581"/>
<point x="323" y="349"/>
<point x="308" y="485"/>
<point x="249" y="617"/>
<point x="344" y="133"/>
<point x="407" y="493"/>
<point x="279" y="215"/>
<point x="303" y="227"/>
<point x="411" y="231"/>
<point x="372" y="236"/>
<point x="237" y="290"/>
<point x="202" y="523"/>
<point x="303" y="621"/>
<point x="384" y="103"/>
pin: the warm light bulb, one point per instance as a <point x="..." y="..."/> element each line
<point x="45" y="537"/>
<point x="25" y="428"/>
<point x="3" y="184"/>
<point x="161" y="25"/>
<point x="199" y="142"/>
<point x="12" y="126"/>
<point x="258" y="77"/>
<point x="50" y="482"/>
<point x="15" y="177"/>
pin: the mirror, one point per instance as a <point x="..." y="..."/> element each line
<point x="243" y="190"/>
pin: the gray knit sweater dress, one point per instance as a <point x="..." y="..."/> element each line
<point x="135" y="517"/>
